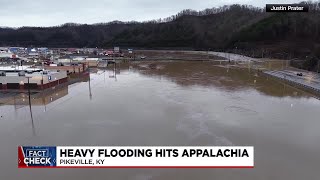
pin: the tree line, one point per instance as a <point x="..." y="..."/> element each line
<point x="242" y="28"/>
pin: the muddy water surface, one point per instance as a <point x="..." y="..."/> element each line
<point x="168" y="103"/>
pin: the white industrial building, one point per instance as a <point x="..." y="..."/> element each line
<point x="22" y="77"/>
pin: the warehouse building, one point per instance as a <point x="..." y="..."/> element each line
<point x="23" y="77"/>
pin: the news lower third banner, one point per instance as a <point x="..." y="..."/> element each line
<point x="135" y="157"/>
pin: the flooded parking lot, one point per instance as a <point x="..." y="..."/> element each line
<point x="168" y="103"/>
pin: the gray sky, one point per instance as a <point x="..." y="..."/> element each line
<point x="17" y="13"/>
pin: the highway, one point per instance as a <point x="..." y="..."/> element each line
<point x="308" y="79"/>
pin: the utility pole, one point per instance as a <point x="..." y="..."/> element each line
<point x="42" y="75"/>
<point x="90" y="94"/>
<point x="29" y="94"/>
<point x="115" y="71"/>
<point x="74" y="71"/>
<point x="70" y="61"/>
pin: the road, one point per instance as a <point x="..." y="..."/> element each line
<point x="309" y="79"/>
<point x="234" y="57"/>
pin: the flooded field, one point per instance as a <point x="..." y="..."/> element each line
<point x="168" y="103"/>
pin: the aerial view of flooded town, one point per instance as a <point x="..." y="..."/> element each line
<point x="155" y="91"/>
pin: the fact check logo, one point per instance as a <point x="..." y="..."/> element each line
<point x="31" y="156"/>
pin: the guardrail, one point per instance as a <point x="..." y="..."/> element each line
<point x="292" y="82"/>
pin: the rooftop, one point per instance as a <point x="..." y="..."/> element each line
<point x="19" y="68"/>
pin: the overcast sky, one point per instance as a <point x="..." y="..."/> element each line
<point x="17" y="13"/>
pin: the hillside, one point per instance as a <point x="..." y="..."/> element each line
<point x="281" y="35"/>
<point x="67" y="35"/>
<point x="238" y="28"/>
<point x="190" y="31"/>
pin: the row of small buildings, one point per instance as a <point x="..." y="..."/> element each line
<point x="42" y="68"/>
<point x="15" y="75"/>
<point x="8" y="52"/>
<point x="16" y="52"/>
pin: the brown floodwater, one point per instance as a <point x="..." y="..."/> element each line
<point x="168" y="103"/>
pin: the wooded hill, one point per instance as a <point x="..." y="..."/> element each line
<point x="238" y="28"/>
